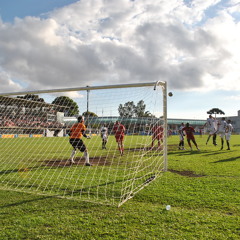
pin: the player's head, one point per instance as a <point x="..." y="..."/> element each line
<point x="210" y="116"/>
<point x="80" y="119"/>
<point x="117" y="122"/>
<point x="223" y="118"/>
<point x="229" y="121"/>
<point x="182" y="124"/>
<point x="187" y="124"/>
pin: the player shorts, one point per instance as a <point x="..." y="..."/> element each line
<point x="221" y="134"/>
<point x="181" y="137"/>
<point x="78" y="143"/>
<point x="228" y="136"/>
<point x="105" y="137"/>
<point x="211" y="130"/>
<point x="190" y="138"/>
<point x="119" y="138"/>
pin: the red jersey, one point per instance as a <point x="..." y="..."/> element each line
<point x="189" y="132"/>
<point x="119" y="130"/>
<point x="76" y="130"/>
<point x="157" y="131"/>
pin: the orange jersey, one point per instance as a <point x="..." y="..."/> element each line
<point x="76" y="130"/>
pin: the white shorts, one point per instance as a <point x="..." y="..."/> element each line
<point x="228" y="136"/>
<point x="105" y="137"/>
<point x="221" y="134"/>
<point x="211" y="130"/>
<point x="181" y="137"/>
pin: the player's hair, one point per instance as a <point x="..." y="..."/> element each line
<point x="80" y="118"/>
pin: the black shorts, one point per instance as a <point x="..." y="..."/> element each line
<point x="78" y="143"/>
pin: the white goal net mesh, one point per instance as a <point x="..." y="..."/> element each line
<point x="37" y="157"/>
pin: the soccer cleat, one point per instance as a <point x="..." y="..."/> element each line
<point x="88" y="164"/>
<point x="72" y="161"/>
<point x="221" y="148"/>
<point x="228" y="148"/>
<point x="198" y="149"/>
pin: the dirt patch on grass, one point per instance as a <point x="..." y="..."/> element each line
<point x="186" y="173"/>
<point x="95" y="161"/>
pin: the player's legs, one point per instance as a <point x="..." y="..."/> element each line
<point x="214" y="139"/>
<point x="189" y="144"/>
<point x="73" y="142"/>
<point x="222" y="140"/>
<point x="195" y="143"/>
<point x="227" y="140"/>
<point x="209" y="136"/>
<point x="153" y="140"/>
<point x="119" y="140"/>
<point x="86" y="156"/>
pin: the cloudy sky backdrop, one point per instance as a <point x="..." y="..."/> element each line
<point x="191" y="44"/>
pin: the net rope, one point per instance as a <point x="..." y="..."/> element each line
<point x="35" y="148"/>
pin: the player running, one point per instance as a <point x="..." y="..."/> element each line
<point x="190" y="135"/>
<point x="104" y="136"/>
<point x="119" y="131"/>
<point x="222" y="124"/>
<point x="229" y="129"/>
<point x="157" y="134"/>
<point x="211" y="129"/>
<point x="77" y="131"/>
<point x="181" y="137"/>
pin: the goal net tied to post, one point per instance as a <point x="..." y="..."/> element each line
<point x="36" y="152"/>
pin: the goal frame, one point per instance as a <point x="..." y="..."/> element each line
<point x="161" y="84"/>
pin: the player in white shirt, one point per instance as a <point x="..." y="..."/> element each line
<point x="222" y="124"/>
<point x="104" y="136"/>
<point x="181" y="137"/>
<point x="211" y="125"/>
<point x="229" y="130"/>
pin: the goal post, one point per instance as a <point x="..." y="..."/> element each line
<point x="125" y="141"/>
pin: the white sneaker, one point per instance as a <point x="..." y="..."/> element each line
<point x="72" y="161"/>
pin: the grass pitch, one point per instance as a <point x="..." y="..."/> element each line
<point x="203" y="189"/>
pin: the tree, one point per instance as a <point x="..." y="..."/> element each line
<point x="32" y="97"/>
<point x="129" y="109"/>
<point x="89" y="114"/>
<point x="71" y="106"/>
<point x="215" y="111"/>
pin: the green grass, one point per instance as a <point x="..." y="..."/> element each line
<point x="203" y="189"/>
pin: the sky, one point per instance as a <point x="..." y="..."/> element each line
<point x="193" y="45"/>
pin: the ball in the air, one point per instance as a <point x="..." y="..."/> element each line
<point x="170" y="94"/>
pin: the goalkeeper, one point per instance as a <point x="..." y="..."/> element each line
<point x="77" y="131"/>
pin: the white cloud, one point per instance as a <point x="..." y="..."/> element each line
<point x="96" y="42"/>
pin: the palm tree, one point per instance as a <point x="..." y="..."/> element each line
<point x="216" y="111"/>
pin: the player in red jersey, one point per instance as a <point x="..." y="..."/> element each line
<point x="119" y="131"/>
<point x="190" y="135"/>
<point x="157" y="134"/>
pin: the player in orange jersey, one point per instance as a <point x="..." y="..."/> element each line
<point x="77" y="131"/>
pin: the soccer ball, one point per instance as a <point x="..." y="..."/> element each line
<point x="170" y="94"/>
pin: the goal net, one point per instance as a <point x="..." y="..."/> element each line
<point x="37" y="157"/>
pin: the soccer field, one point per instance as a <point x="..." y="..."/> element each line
<point x="202" y="189"/>
<point x="42" y="166"/>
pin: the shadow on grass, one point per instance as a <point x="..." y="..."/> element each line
<point x="26" y="201"/>
<point x="227" y="160"/>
